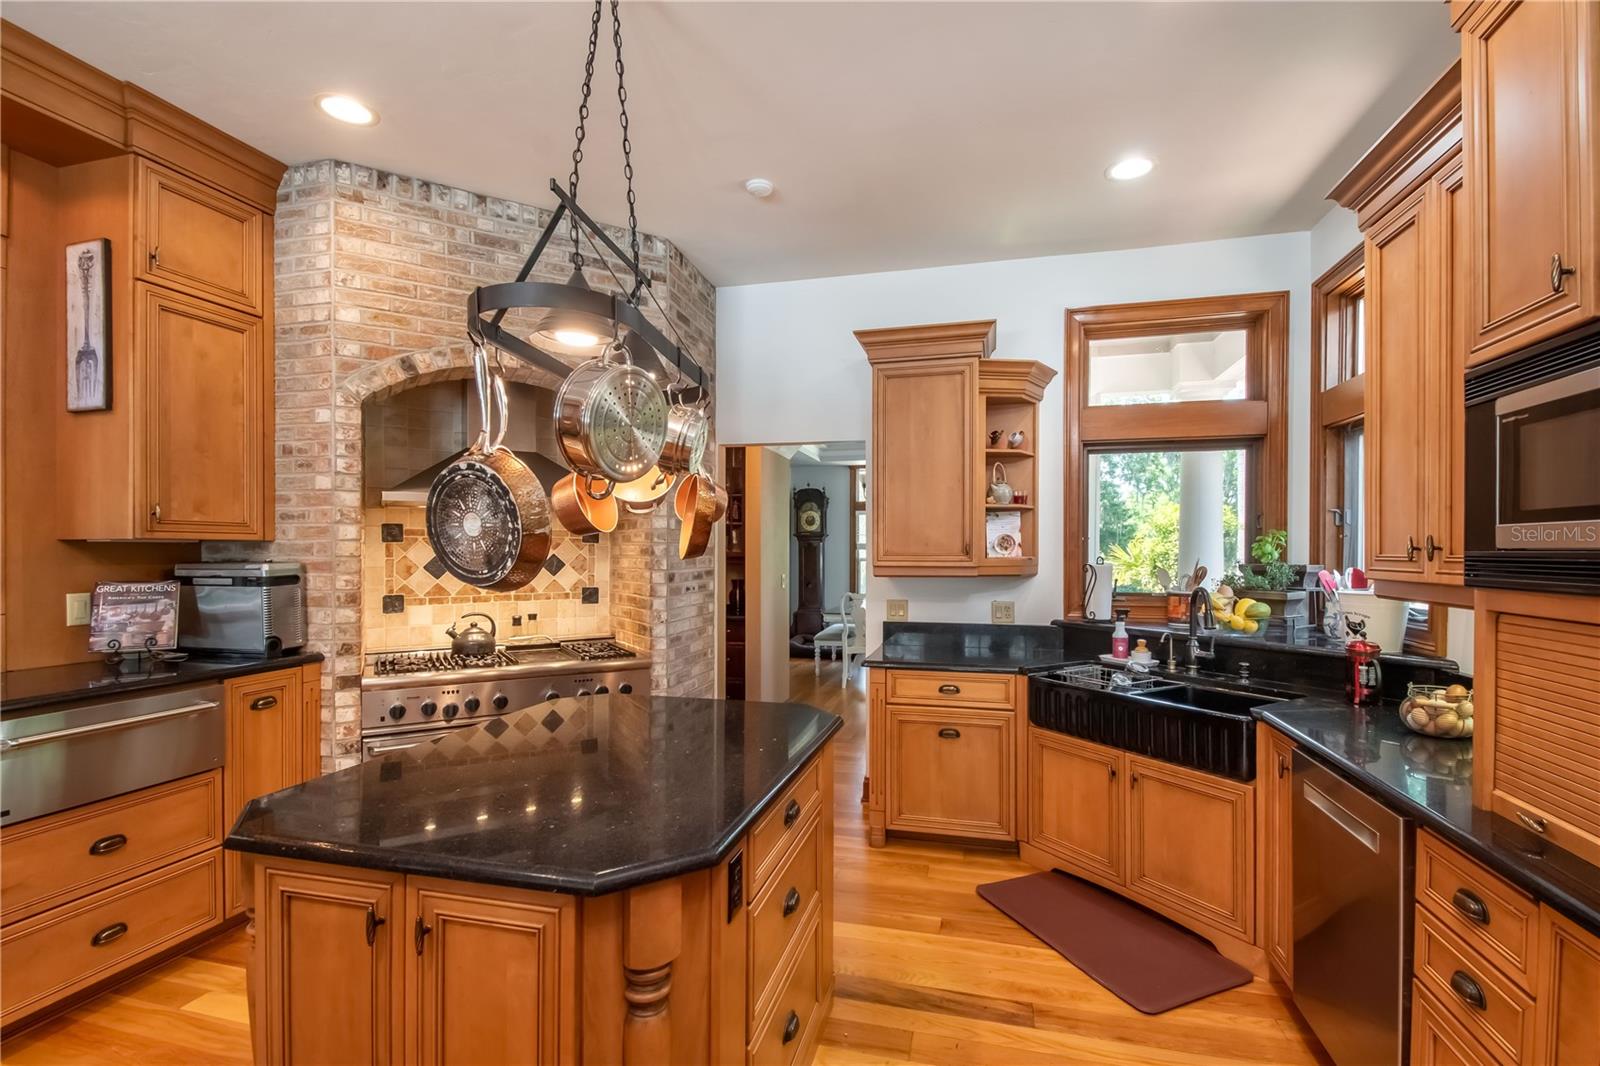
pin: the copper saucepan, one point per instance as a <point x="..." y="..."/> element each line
<point x="584" y="505"/>
<point x="641" y="496"/>
<point x="700" y="502"/>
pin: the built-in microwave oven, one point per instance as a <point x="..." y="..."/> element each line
<point x="1532" y="469"/>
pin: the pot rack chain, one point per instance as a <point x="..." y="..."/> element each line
<point x="677" y="337"/>
<point x="581" y="130"/>
<point x="627" y="144"/>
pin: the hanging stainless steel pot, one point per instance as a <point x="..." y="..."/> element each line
<point x="488" y="518"/>
<point x="611" y="420"/>
<point x="688" y="432"/>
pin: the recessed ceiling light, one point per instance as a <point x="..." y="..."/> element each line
<point x="1135" y="166"/>
<point x="347" y="109"/>
<point x="760" y="188"/>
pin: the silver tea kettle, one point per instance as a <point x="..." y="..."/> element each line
<point x="471" y="640"/>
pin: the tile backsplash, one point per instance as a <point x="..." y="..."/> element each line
<point x="409" y="598"/>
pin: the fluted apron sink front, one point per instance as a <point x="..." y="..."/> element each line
<point x="1207" y="729"/>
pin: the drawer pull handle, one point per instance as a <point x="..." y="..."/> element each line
<point x="373" y="921"/>
<point x="791" y="1027"/>
<point x="263" y="703"/>
<point x="107" y="844"/>
<point x="950" y="690"/>
<point x="1467" y="990"/>
<point x="791" y="901"/>
<point x="1532" y="821"/>
<point x="949" y="733"/>
<point x="1468" y="903"/>
<point x="791" y="812"/>
<point x="105" y="936"/>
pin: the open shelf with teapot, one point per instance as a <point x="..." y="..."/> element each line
<point x="1009" y="392"/>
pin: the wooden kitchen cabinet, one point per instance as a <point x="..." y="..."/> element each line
<point x="199" y="241"/>
<point x="331" y="945"/>
<point x="207" y="403"/>
<point x="1275" y="763"/>
<point x="267" y="721"/>
<point x="1075" y="808"/>
<point x="1190" y="843"/>
<point x="1531" y="97"/>
<point x="1567" y="1023"/>
<point x="951" y="772"/>
<point x="532" y="938"/>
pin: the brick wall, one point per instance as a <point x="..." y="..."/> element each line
<point x="372" y="273"/>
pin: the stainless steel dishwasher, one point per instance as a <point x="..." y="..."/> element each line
<point x="1352" y="918"/>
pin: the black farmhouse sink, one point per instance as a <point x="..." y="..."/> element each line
<point x="1199" y="726"/>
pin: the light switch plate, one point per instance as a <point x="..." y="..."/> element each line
<point x="77" y="608"/>
<point x="1002" y="612"/>
<point x="894" y="610"/>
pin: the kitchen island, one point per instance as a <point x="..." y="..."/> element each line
<point x="609" y="880"/>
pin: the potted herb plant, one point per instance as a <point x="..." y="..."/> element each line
<point x="1272" y="581"/>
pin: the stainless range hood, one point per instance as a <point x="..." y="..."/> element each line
<point x="531" y="437"/>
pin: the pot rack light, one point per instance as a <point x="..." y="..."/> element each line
<point x="572" y="319"/>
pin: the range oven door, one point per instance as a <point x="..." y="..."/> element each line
<point x="377" y="746"/>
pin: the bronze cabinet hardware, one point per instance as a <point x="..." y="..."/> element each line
<point x="1532" y="821"/>
<point x="950" y="690"/>
<point x="1558" y="273"/>
<point x="1467" y="990"/>
<point x="1113" y="770"/>
<point x="949" y="733"/>
<point x="263" y="703"/>
<point x="107" y="844"/>
<point x="791" y="901"/>
<point x="420" y="932"/>
<point x="1283" y="766"/>
<point x="1411" y="547"/>
<point x="373" y="921"/>
<point x="791" y="1027"/>
<point x="155" y="256"/>
<point x="155" y="511"/>
<point x="791" y="812"/>
<point x="105" y="936"/>
<point x="1467" y="902"/>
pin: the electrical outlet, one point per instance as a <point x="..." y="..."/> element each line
<point x="1002" y="612"/>
<point x="77" y="608"/>
<point x="894" y="610"/>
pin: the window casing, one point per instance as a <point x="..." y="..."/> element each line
<point x="858" y="528"/>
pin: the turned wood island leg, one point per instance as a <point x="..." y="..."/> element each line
<point x="652" y="939"/>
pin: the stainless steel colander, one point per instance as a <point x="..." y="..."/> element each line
<point x="611" y="420"/>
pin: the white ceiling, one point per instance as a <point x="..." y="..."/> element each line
<point x="899" y="134"/>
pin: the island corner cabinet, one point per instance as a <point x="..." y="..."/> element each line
<point x="643" y="881"/>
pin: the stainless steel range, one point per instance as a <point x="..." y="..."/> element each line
<point x="408" y="698"/>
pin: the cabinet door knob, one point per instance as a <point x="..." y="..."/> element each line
<point x="155" y="256"/>
<point x="420" y="932"/>
<point x="263" y="703"/>
<point x="1467" y="990"/>
<point x="949" y="733"/>
<point x="791" y="812"/>
<point x="105" y="936"/>
<point x="950" y="690"/>
<point x="1411" y="547"/>
<point x="373" y="921"/>
<point x="1283" y="766"/>
<point x="1113" y="770"/>
<point x="1431" y="547"/>
<point x="107" y="844"/>
<point x="791" y="901"/>
<point x="1558" y="272"/>
<point x="791" y="1027"/>
<point x="155" y="511"/>
<point x="1467" y="902"/>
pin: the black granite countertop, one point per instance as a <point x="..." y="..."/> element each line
<point x="586" y="796"/>
<point x="48" y="685"/>
<point x="975" y="648"/>
<point x="1430" y="779"/>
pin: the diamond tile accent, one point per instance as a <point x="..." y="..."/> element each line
<point x="435" y="567"/>
<point x="554" y="565"/>
<point x="552" y="721"/>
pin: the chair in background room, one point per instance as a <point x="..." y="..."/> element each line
<point x="848" y="636"/>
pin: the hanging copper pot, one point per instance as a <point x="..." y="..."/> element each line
<point x="699" y="502"/>
<point x="641" y="496"/>
<point x="584" y="505"/>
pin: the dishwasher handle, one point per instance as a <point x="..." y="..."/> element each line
<point x="1340" y="816"/>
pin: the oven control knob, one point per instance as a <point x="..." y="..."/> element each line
<point x="552" y="696"/>
<point x="397" y="711"/>
<point x="428" y="708"/>
<point x="451" y="710"/>
<point x="472" y="704"/>
<point x="500" y="702"/>
<point x="601" y="690"/>
<point x="624" y="688"/>
<point x="583" y="692"/>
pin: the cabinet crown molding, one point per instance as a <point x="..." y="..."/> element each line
<point x="948" y="339"/>
<point x="1407" y="153"/>
<point x="1019" y="379"/>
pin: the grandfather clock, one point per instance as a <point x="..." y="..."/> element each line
<point x="810" y="524"/>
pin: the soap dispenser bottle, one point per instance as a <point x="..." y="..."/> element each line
<point x="1119" y="637"/>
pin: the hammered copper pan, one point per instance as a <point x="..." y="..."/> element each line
<point x="583" y="505"/>
<point x="699" y="502"/>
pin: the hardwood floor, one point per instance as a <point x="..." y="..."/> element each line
<point x="927" y="972"/>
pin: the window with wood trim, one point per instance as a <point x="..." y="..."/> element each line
<point x="1177" y="440"/>
<point x="858" y="528"/>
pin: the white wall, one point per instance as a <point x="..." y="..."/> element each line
<point x="835" y="481"/>
<point x="1333" y="237"/>
<point x="789" y="369"/>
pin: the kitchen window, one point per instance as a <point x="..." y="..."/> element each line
<point x="1338" y="366"/>
<point x="1177" y="438"/>
<point x="858" y="528"/>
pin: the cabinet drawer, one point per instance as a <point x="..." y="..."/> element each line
<point x="61" y="857"/>
<point x="779" y="914"/>
<point x="779" y="1038"/>
<point x="1486" y="1003"/>
<point x="199" y="241"/>
<point x="952" y="772"/>
<point x="990" y="691"/>
<point x="71" y="947"/>
<point x="779" y="830"/>
<point x="1437" y="1039"/>
<point x="1493" y="918"/>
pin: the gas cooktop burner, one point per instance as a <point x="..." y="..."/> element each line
<point x="589" y="650"/>
<point x="424" y="662"/>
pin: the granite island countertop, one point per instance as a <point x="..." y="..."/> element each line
<point x="1430" y="779"/>
<point x="46" y="686"/>
<point x="582" y="796"/>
